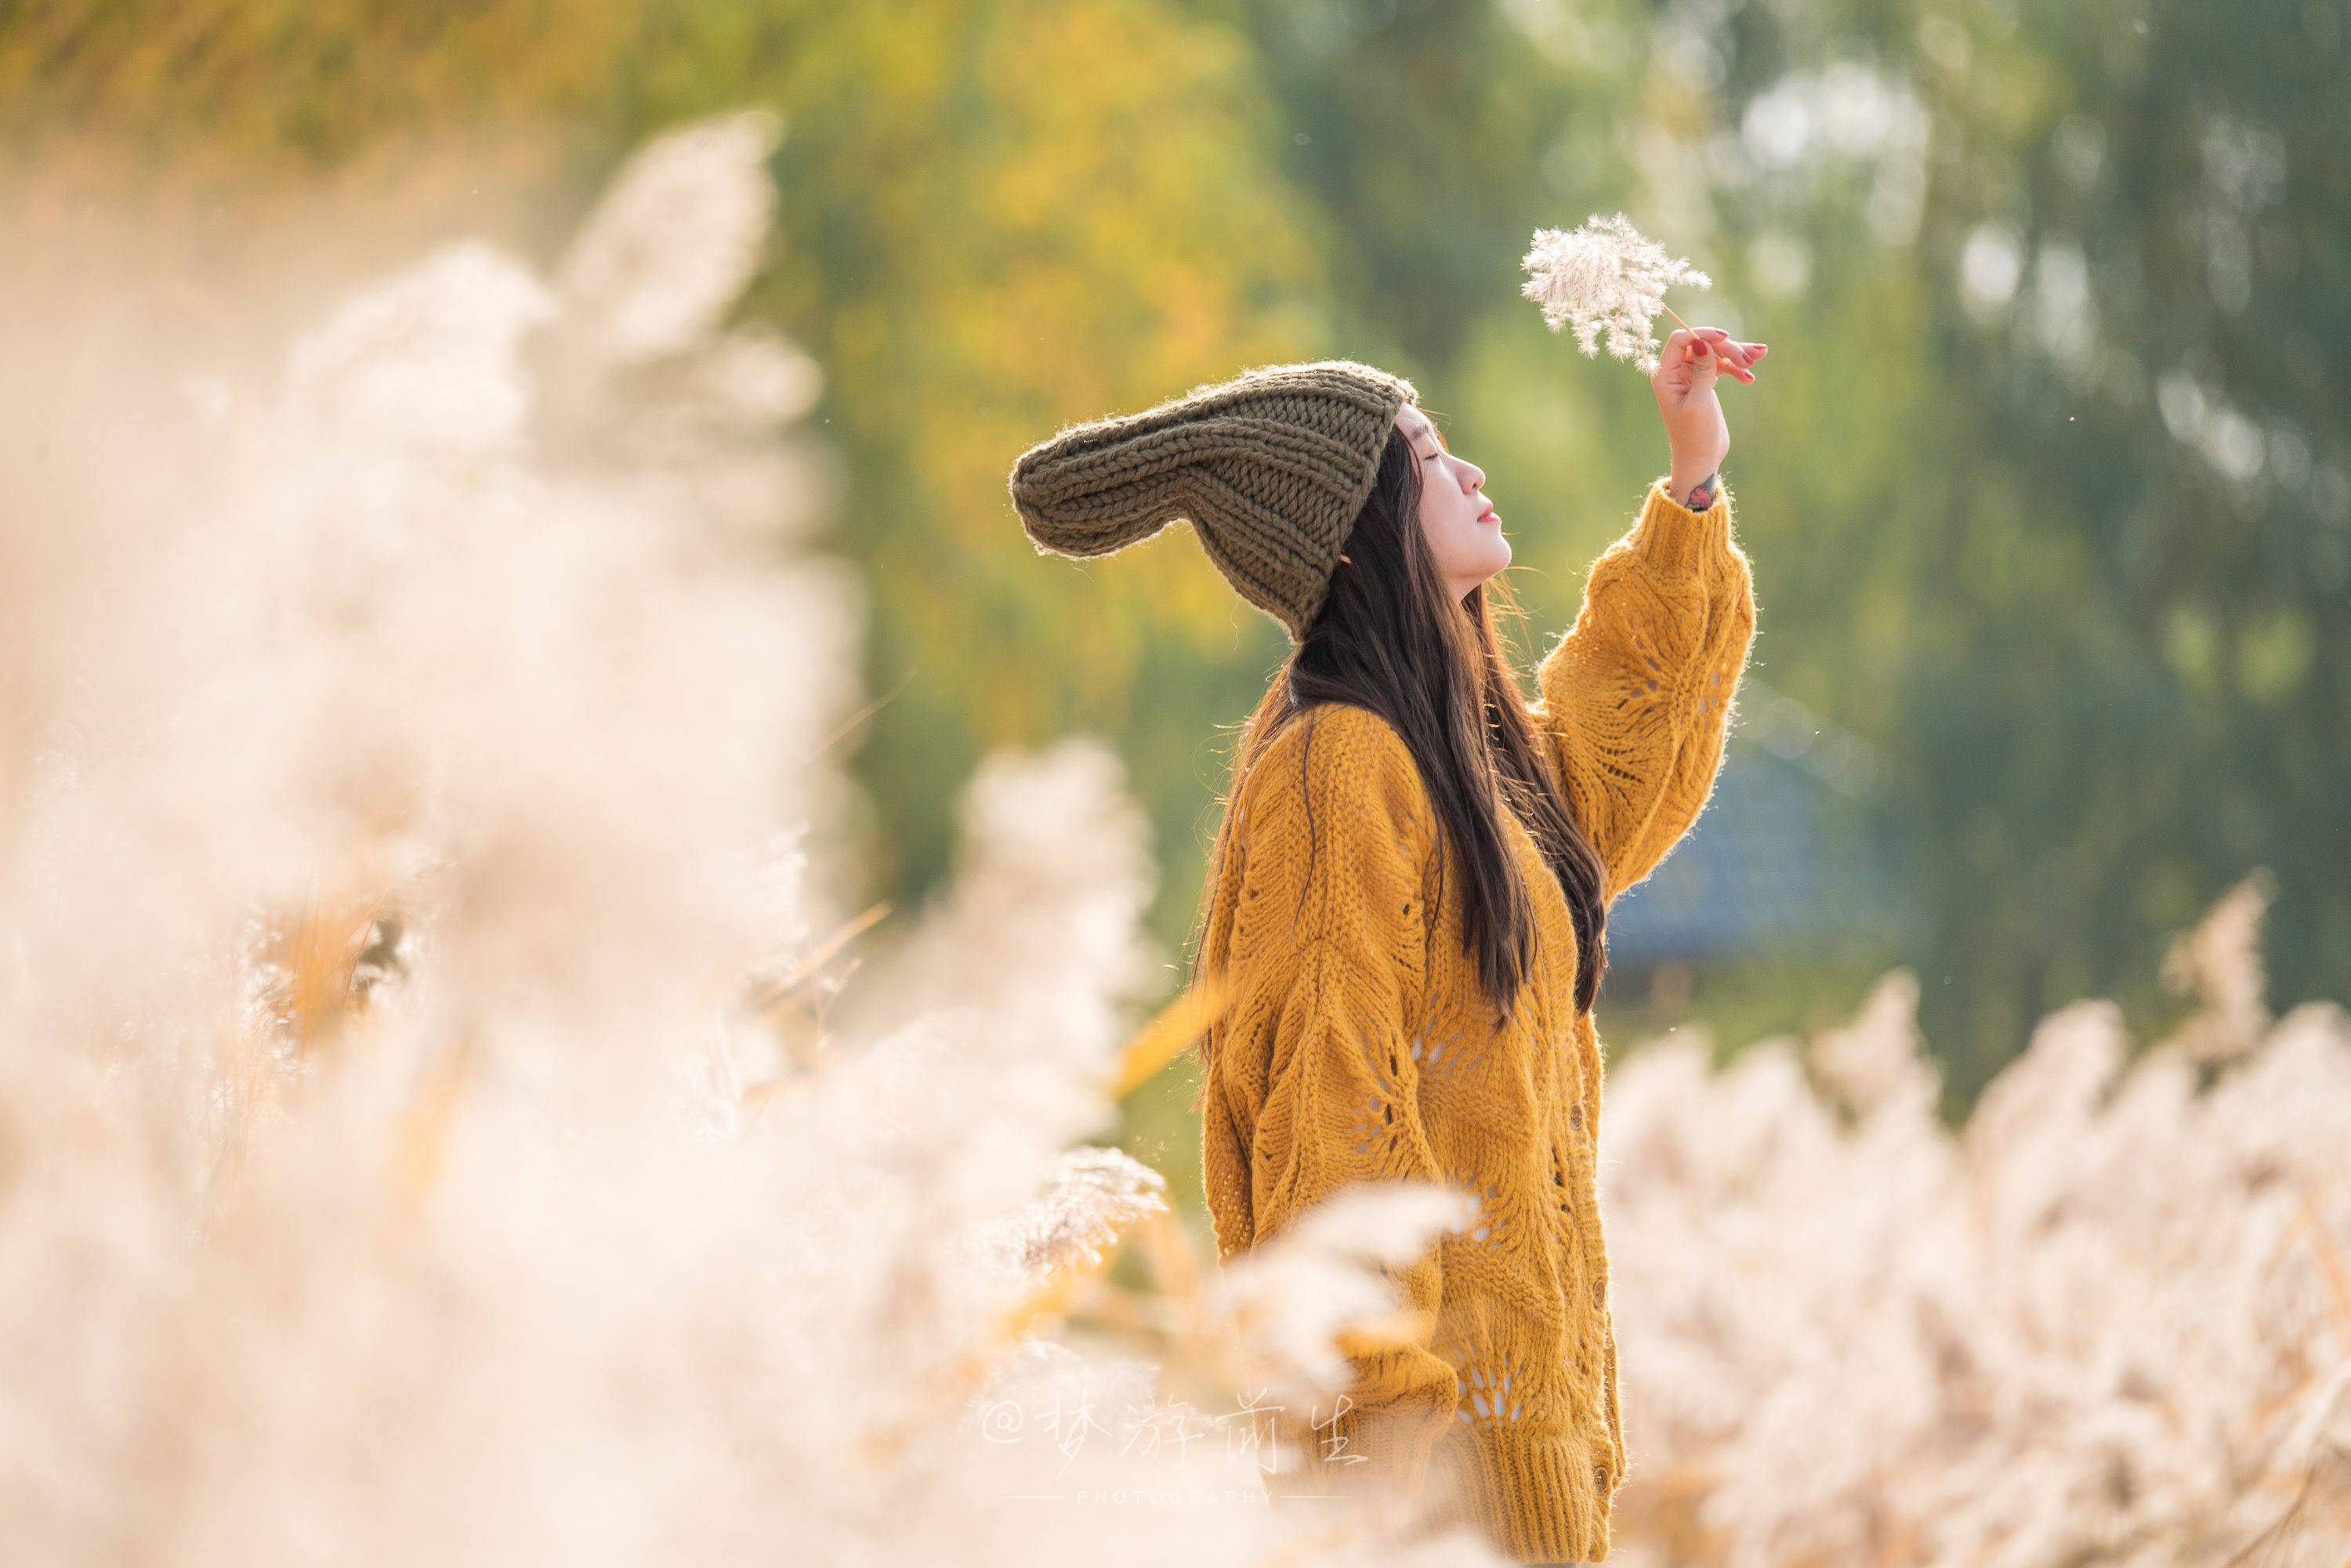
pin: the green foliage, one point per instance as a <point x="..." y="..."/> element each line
<point x="1004" y="218"/>
<point x="2074" y="558"/>
<point x="2138" y="443"/>
<point x="280" y="87"/>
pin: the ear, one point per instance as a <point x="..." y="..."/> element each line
<point x="1348" y="560"/>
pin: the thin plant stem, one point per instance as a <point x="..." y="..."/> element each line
<point x="1694" y="332"/>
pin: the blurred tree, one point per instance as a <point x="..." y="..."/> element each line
<point x="2047" y="492"/>
<point x="2049" y="498"/>
<point x="1003" y="217"/>
<point x="271" y="87"/>
<point x="2123" y="670"/>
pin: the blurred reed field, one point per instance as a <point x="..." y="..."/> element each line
<point x="426" y="1134"/>
<point x="456" y="1105"/>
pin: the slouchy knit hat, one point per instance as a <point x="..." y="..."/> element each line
<point x="1270" y="468"/>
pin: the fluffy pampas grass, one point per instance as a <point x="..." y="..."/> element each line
<point x="426" y="1130"/>
<point x="2108" y="1321"/>
<point x="1604" y="276"/>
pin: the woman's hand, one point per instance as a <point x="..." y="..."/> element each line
<point x="1684" y="383"/>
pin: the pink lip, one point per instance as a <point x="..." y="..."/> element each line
<point x="1488" y="515"/>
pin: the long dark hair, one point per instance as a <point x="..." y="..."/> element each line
<point x="1392" y="639"/>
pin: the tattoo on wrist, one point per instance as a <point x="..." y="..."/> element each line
<point x="1701" y="496"/>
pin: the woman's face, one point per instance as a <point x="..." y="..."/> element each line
<point x="1464" y="533"/>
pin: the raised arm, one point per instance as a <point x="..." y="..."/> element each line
<point x="1315" y="1069"/>
<point x="1636" y="697"/>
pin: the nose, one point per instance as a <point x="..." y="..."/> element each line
<point x="1473" y="476"/>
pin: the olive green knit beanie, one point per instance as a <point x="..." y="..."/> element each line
<point x="1270" y="468"/>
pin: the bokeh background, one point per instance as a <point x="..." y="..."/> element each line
<point x="2047" y="488"/>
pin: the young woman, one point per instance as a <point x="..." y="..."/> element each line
<point x="1408" y="893"/>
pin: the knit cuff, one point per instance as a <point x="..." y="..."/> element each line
<point x="1672" y="537"/>
<point x="1535" y="1501"/>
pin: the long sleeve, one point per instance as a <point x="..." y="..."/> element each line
<point x="1638" y="695"/>
<point x="1328" y="961"/>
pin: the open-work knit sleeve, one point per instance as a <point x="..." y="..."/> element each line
<point x="1328" y="964"/>
<point x="1637" y="696"/>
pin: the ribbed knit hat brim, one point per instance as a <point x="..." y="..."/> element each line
<point x="1270" y="468"/>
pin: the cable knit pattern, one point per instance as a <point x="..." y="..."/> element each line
<point x="1270" y="468"/>
<point x="1360" y="1047"/>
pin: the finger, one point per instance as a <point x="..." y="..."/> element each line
<point x="1736" y="354"/>
<point x="1722" y="362"/>
<point x="1676" y="365"/>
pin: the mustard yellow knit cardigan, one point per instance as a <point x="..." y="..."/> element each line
<point x="1358" y="1045"/>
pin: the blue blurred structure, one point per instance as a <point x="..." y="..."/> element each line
<point x="1787" y="860"/>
